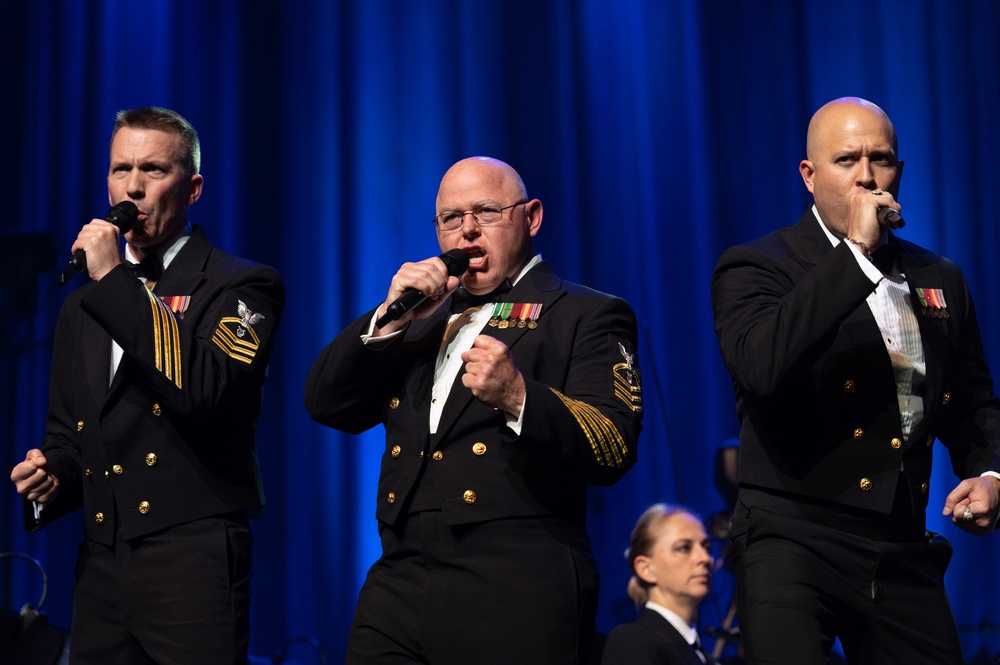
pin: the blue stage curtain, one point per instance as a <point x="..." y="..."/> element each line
<point x="656" y="133"/>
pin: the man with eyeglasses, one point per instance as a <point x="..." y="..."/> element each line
<point x="495" y="424"/>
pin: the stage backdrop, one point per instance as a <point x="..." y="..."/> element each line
<point x="656" y="133"/>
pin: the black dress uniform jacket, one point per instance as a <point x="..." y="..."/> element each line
<point x="582" y="411"/>
<point x="815" y="387"/>
<point x="650" y="640"/>
<point x="172" y="438"/>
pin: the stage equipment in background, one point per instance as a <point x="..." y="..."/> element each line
<point x="26" y="637"/>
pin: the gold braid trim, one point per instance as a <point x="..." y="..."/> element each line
<point x="166" y="341"/>
<point x="233" y="345"/>
<point x="606" y="443"/>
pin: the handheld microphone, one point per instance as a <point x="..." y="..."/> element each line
<point x="457" y="263"/>
<point x="889" y="218"/>
<point x="123" y="215"/>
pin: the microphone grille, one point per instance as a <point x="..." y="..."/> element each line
<point x="123" y="215"/>
<point x="456" y="261"/>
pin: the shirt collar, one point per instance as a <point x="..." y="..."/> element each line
<point x="834" y="240"/>
<point x="535" y="260"/>
<point x="170" y="252"/>
<point x="686" y="630"/>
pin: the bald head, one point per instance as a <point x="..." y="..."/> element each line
<point x="486" y="171"/>
<point x="833" y="117"/>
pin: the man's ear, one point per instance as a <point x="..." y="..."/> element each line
<point x="533" y="211"/>
<point x="195" y="192"/>
<point x="807" y="171"/>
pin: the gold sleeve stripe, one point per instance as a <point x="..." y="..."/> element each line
<point x="233" y="344"/>
<point x="166" y="341"/>
<point x="606" y="443"/>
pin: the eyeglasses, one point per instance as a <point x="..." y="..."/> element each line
<point x="483" y="215"/>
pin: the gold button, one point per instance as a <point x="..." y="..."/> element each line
<point x="849" y="386"/>
<point x="144" y="507"/>
<point x="895" y="443"/>
<point x="945" y="398"/>
<point x="88" y="473"/>
<point x="392" y="497"/>
<point x="395" y="451"/>
<point x="865" y="484"/>
<point x="79" y="425"/>
<point x="923" y="488"/>
<point x="438" y="455"/>
<point x="858" y="434"/>
<point x="469" y="497"/>
<point x="422" y="453"/>
<point x="479" y="448"/>
<point x="394" y="403"/>
<point x="157" y="410"/>
<point x="99" y="518"/>
<point x="106" y="475"/>
<point x="117" y="468"/>
<point x="150" y="459"/>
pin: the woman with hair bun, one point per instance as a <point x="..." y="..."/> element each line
<point x="671" y="561"/>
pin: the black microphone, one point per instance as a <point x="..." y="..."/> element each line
<point x="889" y="218"/>
<point x="123" y="215"/>
<point x="457" y="263"/>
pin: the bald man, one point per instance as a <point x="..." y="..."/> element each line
<point x="851" y="351"/>
<point x="501" y="401"/>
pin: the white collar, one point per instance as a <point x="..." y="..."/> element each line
<point x="686" y="630"/>
<point x="168" y="255"/>
<point x="834" y="240"/>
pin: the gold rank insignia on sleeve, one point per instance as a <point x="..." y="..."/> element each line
<point x="235" y="334"/>
<point x="166" y="340"/>
<point x="628" y="384"/>
<point x="606" y="442"/>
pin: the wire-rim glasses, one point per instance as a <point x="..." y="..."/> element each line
<point x="483" y="215"/>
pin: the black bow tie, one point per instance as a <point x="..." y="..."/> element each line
<point x="885" y="257"/>
<point x="149" y="268"/>
<point x="461" y="299"/>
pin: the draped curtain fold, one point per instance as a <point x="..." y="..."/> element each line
<point x="656" y="133"/>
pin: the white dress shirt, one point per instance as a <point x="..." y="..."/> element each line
<point x="893" y="311"/>
<point x="890" y="305"/>
<point x="449" y="361"/>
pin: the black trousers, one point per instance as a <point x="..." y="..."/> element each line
<point x="502" y="592"/>
<point x="177" y="597"/>
<point x="800" y="584"/>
